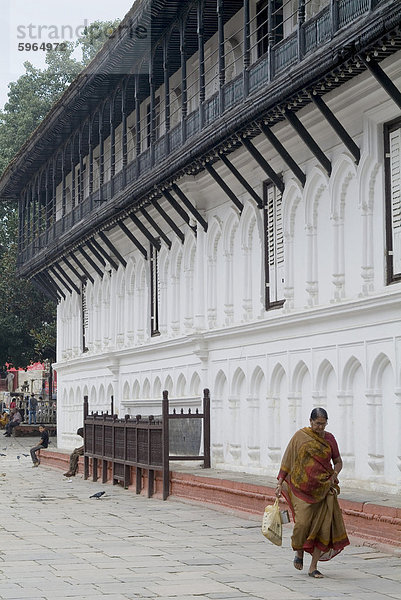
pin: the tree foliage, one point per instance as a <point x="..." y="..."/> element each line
<point x="27" y="318"/>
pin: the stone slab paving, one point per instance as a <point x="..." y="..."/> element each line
<point x="57" y="543"/>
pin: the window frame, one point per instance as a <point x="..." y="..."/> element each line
<point x="269" y="304"/>
<point x="388" y="128"/>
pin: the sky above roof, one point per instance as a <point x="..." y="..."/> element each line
<point x="29" y="25"/>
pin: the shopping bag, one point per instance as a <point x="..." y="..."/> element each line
<point x="271" y="524"/>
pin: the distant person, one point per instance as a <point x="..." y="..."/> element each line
<point x="43" y="443"/>
<point x="74" y="456"/>
<point x="14" y="421"/>
<point x="13" y="403"/>
<point x="10" y="380"/>
<point x="32" y="406"/>
<point x="4" y="419"/>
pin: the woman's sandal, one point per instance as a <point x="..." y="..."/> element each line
<point x="316" y="574"/>
<point x="298" y="563"/>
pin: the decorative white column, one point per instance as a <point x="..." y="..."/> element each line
<point x="199" y="280"/>
<point x="288" y="272"/>
<point x="311" y="267"/>
<point x="367" y="269"/>
<point x="345" y="403"/>
<point x="375" y="433"/>
<point x="398" y="430"/>
<point x="211" y="293"/>
<point x="253" y="435"/>
<point x="273" y="430"/>
<point x="247" y="298"/>
<point x="228" y="289"/>
<point x="175" y="322"/>
<point x="339" y="264"/>
<point x="234" y="446"/>
<point x="189" y="304"/>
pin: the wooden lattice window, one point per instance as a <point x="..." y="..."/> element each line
<point x="392" y="148"/>
<point x="154" y="291"/>
<point x="274" y="247"/>
<point x="85" y="316"/>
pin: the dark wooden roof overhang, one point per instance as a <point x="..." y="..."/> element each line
<point x="123" y="55"/>
<point x="327" y="70"/>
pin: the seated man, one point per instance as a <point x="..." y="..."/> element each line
<point x="74" y="456"/>
<point x="43" y="443"/>
<point x="14" y="421"/>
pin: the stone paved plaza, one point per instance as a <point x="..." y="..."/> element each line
<point x="58" y="543"/>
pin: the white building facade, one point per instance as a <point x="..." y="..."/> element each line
<point x="278" y="296"/>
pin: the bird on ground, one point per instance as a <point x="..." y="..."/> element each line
<point x="1" y="454"/>
<point x="18" y="456"/>
<point x="25" y="454"/>
<point x="97" y="495"/>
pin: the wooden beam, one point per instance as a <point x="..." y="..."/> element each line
<point x="57" y="267"/>
<point x="81" y="266"/>
<point x="112" y="248"/>
<point x="61" y="280"/>
<point x="183" y="214"/>
<point x="186" y="201"/>
<point x="133" y="239"/>
<point x="96" y="253"/>
<point x="168" y="220"/>
<point x="254" y="152"/>
<point x="108" y="258"/>
<point x="308" y="140"/>
<point x="91" y="261"/>
<point x="156" y="227"/>
<point x="73" y="269"/>
<point x="383" y="79"/>
<point x="242" y="181"/>
<point x="338" y="128"/>
<point x="212" y="171"/>
<point x="49" y="282"/>
<point x="155" y="243"/>
<point x="279" y="148"/>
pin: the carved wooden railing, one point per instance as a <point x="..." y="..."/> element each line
<point x="142" y="443"/>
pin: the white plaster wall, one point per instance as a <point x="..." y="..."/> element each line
<point x="335" y="342"/>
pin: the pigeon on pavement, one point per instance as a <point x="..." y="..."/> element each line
<point x="97" y="495"/>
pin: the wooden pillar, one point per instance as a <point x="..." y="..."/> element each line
<point x="201" y="58"/>
<point x="21" y="219"/>
<point x="124" y="88"/>
<point x="53" y="200"/>
<point x="90" y="154"/>
<point x="72" y="173"/>
<point x="247" y="53"/>
<point x="152" y="116"/>
<point x="112" y="140"/>
<point x="81" y="169"/>
<point x="101" y="150"/>
<point x="138" y="117"/>
<point x="184" y="92"/>
<point x="270" y="40"/>
<point x="47" y="198"/>
<point x="222" y="61"/>
<point x="63" y="188"/>
<point x="301" y="29"/>
<point x="166" y="92"/>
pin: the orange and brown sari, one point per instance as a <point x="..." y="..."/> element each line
<point x="306" y="469"/>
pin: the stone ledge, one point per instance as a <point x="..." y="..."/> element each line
<point x="372" y="522"/>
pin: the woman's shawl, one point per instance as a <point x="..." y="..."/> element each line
<point x="306" y="466"/>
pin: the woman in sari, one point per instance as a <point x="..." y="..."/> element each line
<point x="308" y="480"/>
